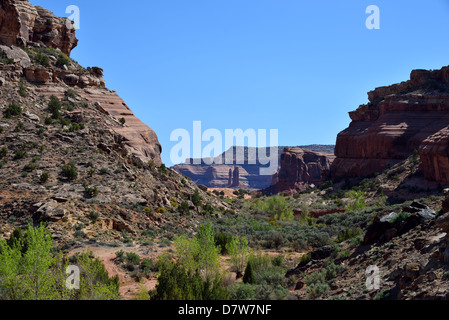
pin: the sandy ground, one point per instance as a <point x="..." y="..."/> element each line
<point x="228" y="193"/>
<point x="129" y="287"/>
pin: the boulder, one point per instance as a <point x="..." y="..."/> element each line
<point x="38" y="75"/>
<point x="32" y="117"/>
<point x="394" y="224"/>
<point x="22" y="23"/>
<point x="51" y="211"/>
<point x="17" y="54"/>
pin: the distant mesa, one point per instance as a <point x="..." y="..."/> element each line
<point x="244" y="176"/>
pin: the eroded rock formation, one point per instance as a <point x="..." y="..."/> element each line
<point x="398" y="120"/>
<point x="21" y="24"/>
<point x="301" y="168"/>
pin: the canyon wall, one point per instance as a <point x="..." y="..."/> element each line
<point x="398" y="120"/>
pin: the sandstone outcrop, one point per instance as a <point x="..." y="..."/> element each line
<point x="398" y="120"/>
<point x="21" y="24"/>
<point x="249" y="177"/>
<point x="301" y="168"/>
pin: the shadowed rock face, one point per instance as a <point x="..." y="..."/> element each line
<point x="399" y="119"/>
<point x="434" y="153"/>
<point x="300" y="168"/>
<point x="234" y="175"/>
<point x="22" y="23"/>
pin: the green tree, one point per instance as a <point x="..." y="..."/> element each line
<point x="199" y="253"/>
<point x="249" y="276"/>
<point x="278" y="208"/>
<point x="358" y="200"/>
<point x="238" y="250"/>
<point x="176" y="282"/>
<point x="196" y="198"/>
<point x="30" y="270"/>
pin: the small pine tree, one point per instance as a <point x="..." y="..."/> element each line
<point x="249" y="276"/>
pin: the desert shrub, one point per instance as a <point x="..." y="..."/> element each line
<point x="3" y="152"/>
<point x="177" y="282"/>
<point x="122" y="121"/>
<point x="30" y="167"/>
<point x="318" y="283"/>
<point x="90" y="191"/>
<point x="348" y="234"/>
<point x="132" y="258"/>
<point x="76" y="127"/>
<point x="277" y="261"/>
<point x="22" y="90"/>
<point x="222" y="239"/>
<point x="278" y="208"/>
<point x="275" y="240"/>
<point x="93" y="216"/>
<point x="400" y="218"/>
<point x="44" y="177"/>
<point x="163" y="169"/>
<point x="54" y="105"/>
<point x="42" y="59"/>
<point x="358" y="200"/>
<point x="120" y="255"/>
<point x="184" y="208"/>
<point x="208" y="209"/>
<point x="196" y="198"/>
<point x="4" y="58"/>
<point x="242" y="291"/>
<point x="20" y="154"/>
<point x="62" y="61"/>
<point x="70" y="171"/>
<point x="13" y="110"/>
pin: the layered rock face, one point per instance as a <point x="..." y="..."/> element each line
<point x="398" y="120"/>
<point x="42" y="30"/>
<point x="21" y="23"/>
<point x="245" y="176"/>
<point x="139" y="142"/>
<point x="301" y="168"/>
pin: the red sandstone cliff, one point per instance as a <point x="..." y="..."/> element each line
<point x="301" y="168"/>
<point x="23" y="26"/>
<point x="22" y="23"/>
<point x="399" y="119"/>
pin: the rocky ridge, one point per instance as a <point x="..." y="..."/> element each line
<point x="301" y="169"/>
<point x="73" y="155"/>
<point x="217" y="175"/>
<point x="398" y="120"/>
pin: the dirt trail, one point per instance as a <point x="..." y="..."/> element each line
<point x="128" y="286"/>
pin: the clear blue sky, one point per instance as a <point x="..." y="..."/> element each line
<point x="297" y="66"/>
